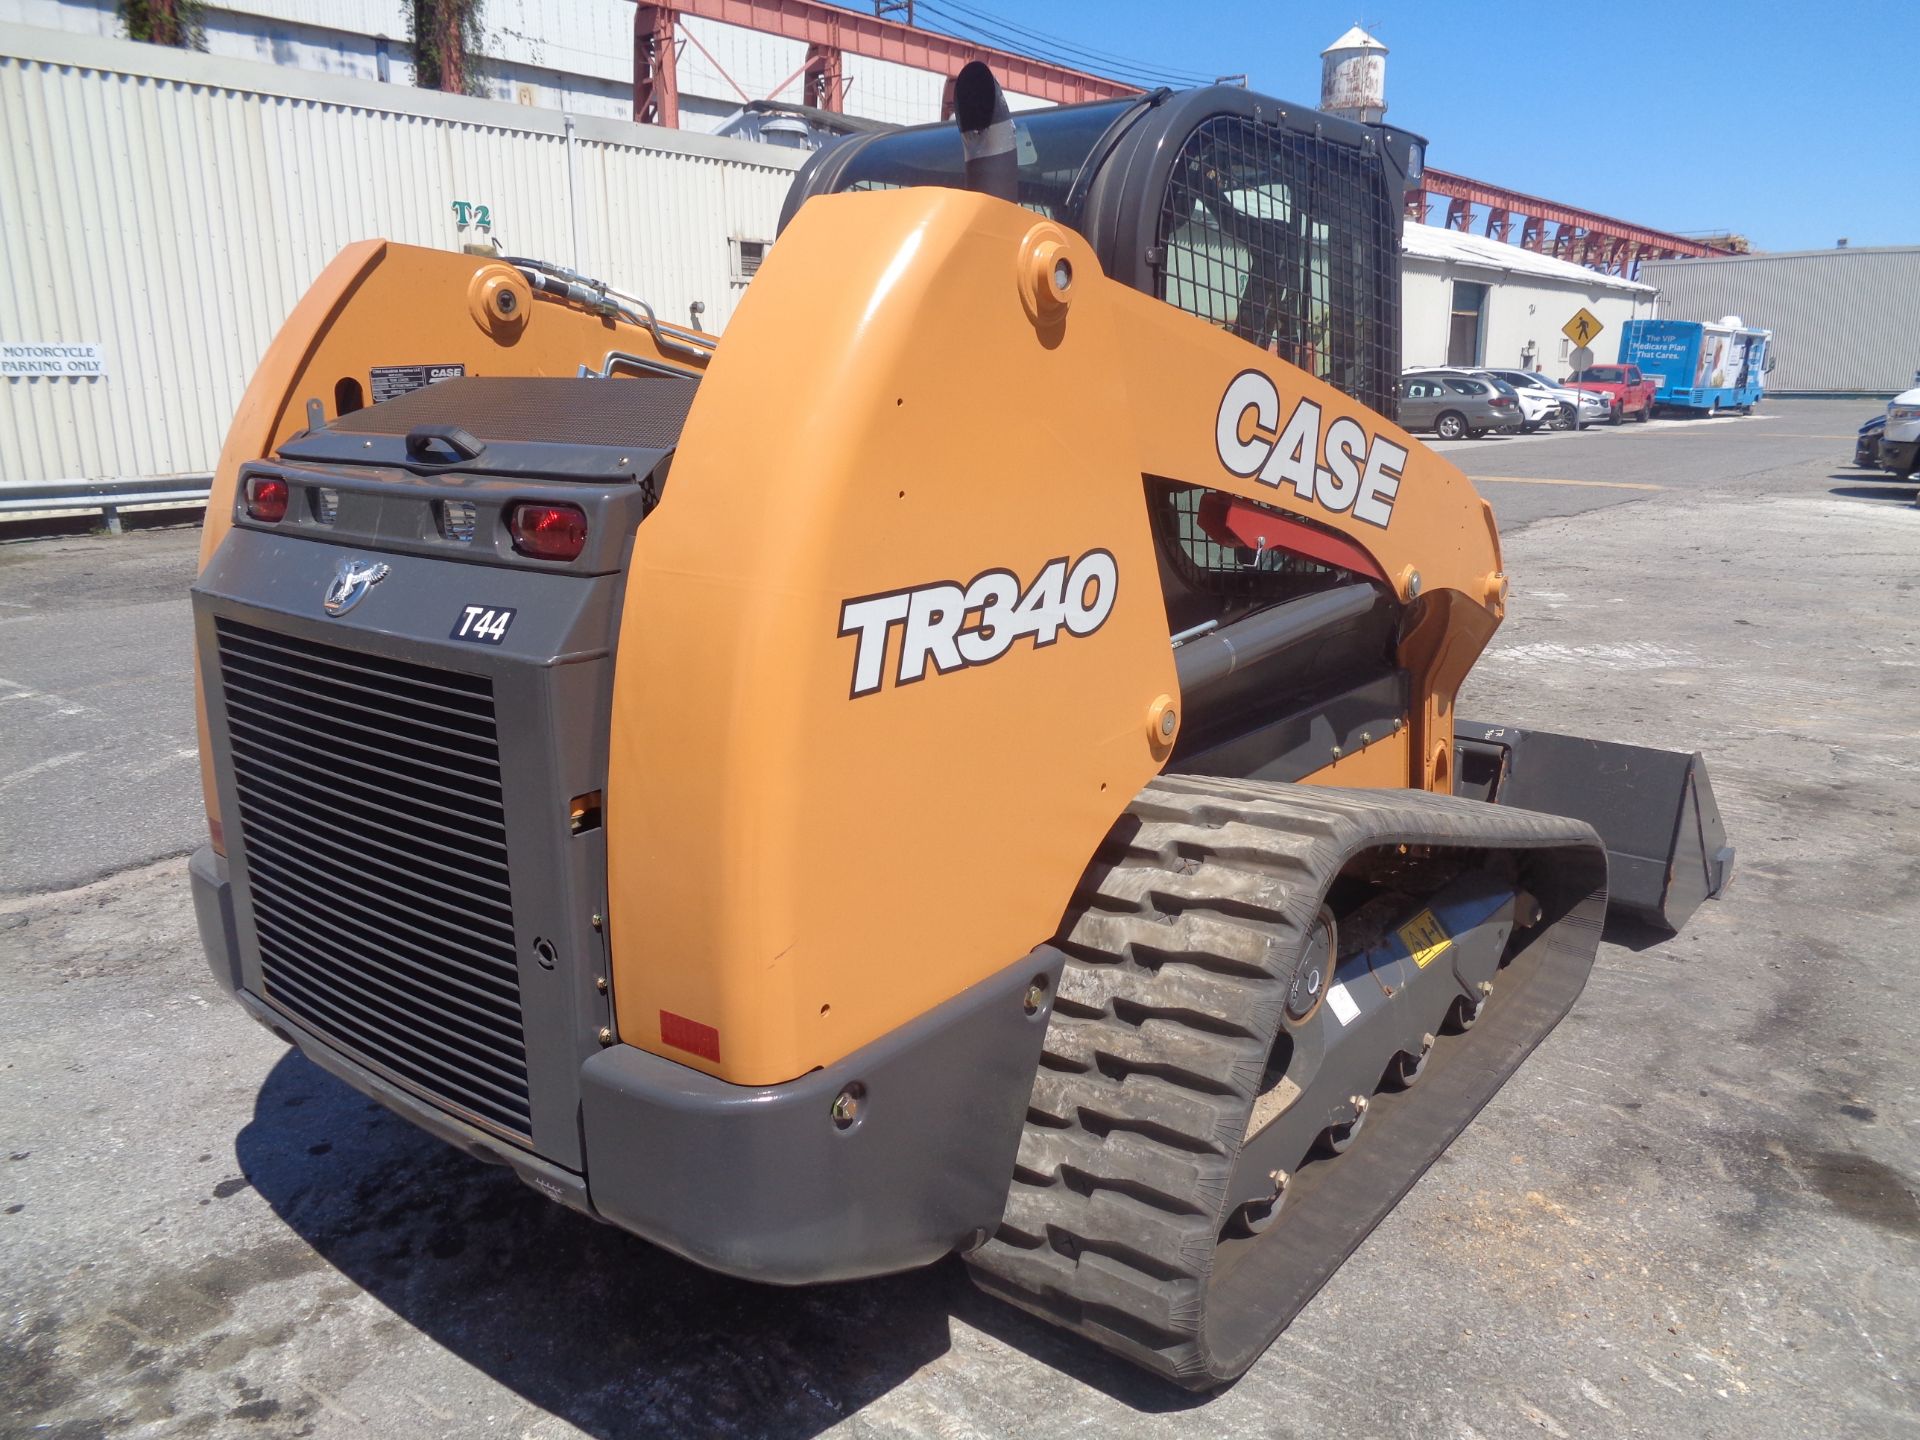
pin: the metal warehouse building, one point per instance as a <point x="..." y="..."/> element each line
<point x="1844" y="321"/>
<point x="162" y="211"/>
<point x="1472" y="300"/>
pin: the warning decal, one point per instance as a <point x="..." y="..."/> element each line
<point x="1424" y="938"/>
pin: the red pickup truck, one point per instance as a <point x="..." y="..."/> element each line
<point x="1628" y="391"/>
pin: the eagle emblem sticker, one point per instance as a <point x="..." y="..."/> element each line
<point x="350" y="584"/>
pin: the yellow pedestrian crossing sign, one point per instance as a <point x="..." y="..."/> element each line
<point x="1582" y="327"/>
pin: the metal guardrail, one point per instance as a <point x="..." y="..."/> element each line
<point x="109" y="497"/>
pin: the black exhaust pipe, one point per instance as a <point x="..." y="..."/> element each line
<point x="986" y="133"/>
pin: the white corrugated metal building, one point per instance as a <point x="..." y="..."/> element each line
<point x="573" y="55"/>
<point x="1471" y="300"/>
<point x="1844" y="321"/>
<point x="170" y="208"/>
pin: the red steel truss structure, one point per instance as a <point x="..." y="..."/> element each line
<point x="1600" y="242"/>
<point x="830" y="33"/>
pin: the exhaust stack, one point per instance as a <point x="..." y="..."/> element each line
<point x="986" y="133"/>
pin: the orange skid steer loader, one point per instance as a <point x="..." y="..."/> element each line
<point x="966" y="763"/>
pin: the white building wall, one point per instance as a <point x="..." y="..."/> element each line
<point x="1518" y="309"/>
<point x="75" y="17"/>
<point x="573" y="55"/>
<point x="171" y="207"/>
<point x="735" y="66"/>
<point x="266" y="40"/>
<point x="573" y="37"/>
<point x="897" y="94"/>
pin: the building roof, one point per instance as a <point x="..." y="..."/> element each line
<point x="1355" y="39"/>
<point x="1432" y="242"/>
<point x="1761" y="257"/>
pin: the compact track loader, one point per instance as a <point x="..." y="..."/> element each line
<point x="967" y="762"/>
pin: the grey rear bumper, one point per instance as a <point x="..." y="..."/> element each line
<point x="760" y="1181"/>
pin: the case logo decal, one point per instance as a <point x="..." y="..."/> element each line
<point x="956" y="626"/>
<point x="350" y="584"/>
<point x="1337" y="466"/>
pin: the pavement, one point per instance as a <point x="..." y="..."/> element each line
<point x="1692" y="1212"/>
<point x="98" y="757"/>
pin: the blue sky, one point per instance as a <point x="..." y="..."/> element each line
<point x="1793" y="124"/>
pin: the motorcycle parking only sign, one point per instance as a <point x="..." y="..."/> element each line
<point x="21" y="360"/>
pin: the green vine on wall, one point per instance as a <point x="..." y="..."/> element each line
<point x="448" y="45"/>
<point x="180" y="23"/>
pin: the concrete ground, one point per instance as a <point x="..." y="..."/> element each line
<point x="1692" y="1213"/>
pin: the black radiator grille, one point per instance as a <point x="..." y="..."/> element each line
<point x="375" y="846"/>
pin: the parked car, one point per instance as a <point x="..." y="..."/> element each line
<point x="1866" y="444"/>
<point x="1535" y="409"/>
<point x="1574" y="409"/>
<point x="1629" y="392"/>
<point x="1452" y="405"/>
<point x="1900" y="440"/>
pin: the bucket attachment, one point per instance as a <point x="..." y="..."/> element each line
<point x="1666" y="848"/>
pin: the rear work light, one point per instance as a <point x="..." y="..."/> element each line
<point x="267" y="498"/>
<point x="548" y="532"/>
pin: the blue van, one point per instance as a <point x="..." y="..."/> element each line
<point x="1705" y="366"/>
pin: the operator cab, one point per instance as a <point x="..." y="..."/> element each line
<point x="1276" y="222"/>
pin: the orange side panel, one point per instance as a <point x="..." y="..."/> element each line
<point x="803" y="867"/>
<point x="799" y="868"/>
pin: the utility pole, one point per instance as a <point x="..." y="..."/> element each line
<point x="883" y="8"/>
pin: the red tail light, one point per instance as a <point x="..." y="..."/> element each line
<point x="548" y="532"/>
<point x="267" y="498"/>
<point x="1501" y="401"/>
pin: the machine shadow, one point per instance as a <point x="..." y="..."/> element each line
<point x="1890" y="488"/>
<point x="592" y="1324"/>
<point x="1634" y="934"/>
<point x="587" y="1322"/>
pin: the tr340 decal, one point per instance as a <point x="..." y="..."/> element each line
<point x="955" y="625"/>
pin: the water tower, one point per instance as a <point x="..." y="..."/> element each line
<point x="1353" y="78"/>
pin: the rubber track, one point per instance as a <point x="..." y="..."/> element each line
<point x="1178" y="940"/>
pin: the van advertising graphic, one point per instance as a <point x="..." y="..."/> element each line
<point x="1698" y="365"/>
<point x="1663" y="349"/>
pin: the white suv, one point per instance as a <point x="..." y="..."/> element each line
<point x="1575" y="408"/>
